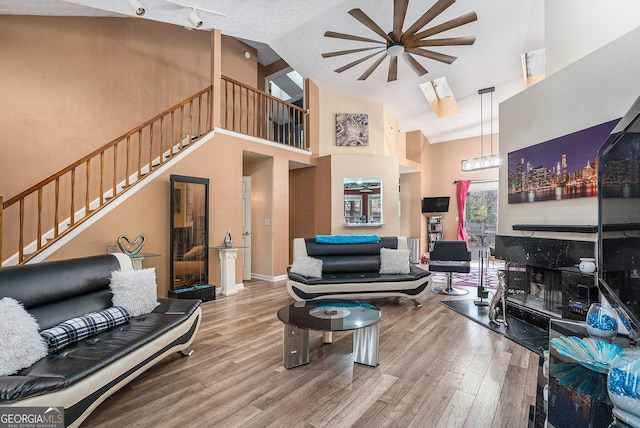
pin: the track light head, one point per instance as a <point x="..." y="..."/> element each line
<point x="137" y="7"/>
<point x="194" y="19"/>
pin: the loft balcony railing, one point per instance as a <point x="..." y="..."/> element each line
<point x="35" y="218"/>
<point x="252" y="112"/>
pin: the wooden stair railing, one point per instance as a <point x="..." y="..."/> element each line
<point x="252" y="112"/>
<point x="52" y="208"/>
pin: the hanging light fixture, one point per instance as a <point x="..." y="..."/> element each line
<point x="491" y="160"/>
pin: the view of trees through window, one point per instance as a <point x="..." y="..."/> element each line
<point x="481" y="213"/>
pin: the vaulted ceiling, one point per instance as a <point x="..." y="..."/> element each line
<point x="295" y="30"/>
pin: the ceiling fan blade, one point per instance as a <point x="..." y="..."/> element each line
<point x="456" y="22"/>
<point x="354" y="63"/>
<point x="393" y="69"/>
<point x="453" y="41"/>
<point x="350" y="37"/>
<point x="415" y="65"/>
<point x="370" y="70"/>
<point x="448" y="59"/>
<point x="428" y="16"/>
<point x="348" y="51"/>
<point x="368" y="22"/>
<point x="399" y="13"/>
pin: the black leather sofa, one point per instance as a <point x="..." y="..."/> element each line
<point x="82" y="375"/>
<point x="351" y="271"/>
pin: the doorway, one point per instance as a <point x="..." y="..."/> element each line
<point x="246" y="228"/>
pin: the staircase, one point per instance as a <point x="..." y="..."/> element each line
<point x="40" y="216"/>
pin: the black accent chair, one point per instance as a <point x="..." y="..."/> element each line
<point x="449" y="257"/>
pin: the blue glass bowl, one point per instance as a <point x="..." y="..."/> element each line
<point x="594" y="354"/>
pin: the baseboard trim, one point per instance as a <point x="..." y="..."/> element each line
<point x="268" y="278"/>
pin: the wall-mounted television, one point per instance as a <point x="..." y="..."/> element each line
<point x="437" y="204"/>
<point x="619" y="219"/>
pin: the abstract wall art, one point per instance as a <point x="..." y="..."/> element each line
<point x="352" y="129"/>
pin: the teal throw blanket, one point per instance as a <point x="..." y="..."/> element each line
<point x="347" y="239"/>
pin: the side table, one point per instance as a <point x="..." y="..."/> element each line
<point x="136" y="259"/>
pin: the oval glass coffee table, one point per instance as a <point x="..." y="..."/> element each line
<point x="328" y="316"/>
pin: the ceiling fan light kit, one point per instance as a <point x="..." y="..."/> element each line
<point x="412" y="41"/>
<point x="395" y="49"/>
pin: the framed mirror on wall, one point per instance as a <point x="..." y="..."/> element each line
<point x="363" y="202"/>
<point x="189" y="235"/>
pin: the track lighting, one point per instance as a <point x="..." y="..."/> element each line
<point x="194" y="19"/>
<point x="137" y="7"/>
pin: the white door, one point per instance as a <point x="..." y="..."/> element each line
<point x="246" y="228"/>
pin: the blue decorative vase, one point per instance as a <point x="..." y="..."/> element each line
<point x="623" y="385"/>
<point x="602" y="322"/>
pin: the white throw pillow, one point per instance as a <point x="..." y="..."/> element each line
<point x="21" y="342"/>
<point x="135" y="290"/>
<point x="307" y="266"/>
<point x="394" y="261"/>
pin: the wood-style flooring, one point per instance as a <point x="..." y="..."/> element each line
<point x="437" y="369"/>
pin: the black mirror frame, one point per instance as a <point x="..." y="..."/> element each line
<point x="191" y="180"/>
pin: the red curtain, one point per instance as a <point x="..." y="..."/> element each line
<point x="463" y="190"/>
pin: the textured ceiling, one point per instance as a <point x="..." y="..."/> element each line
<point x="294" y="29"/>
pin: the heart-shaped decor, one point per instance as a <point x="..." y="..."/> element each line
<point x="129" y="247"/>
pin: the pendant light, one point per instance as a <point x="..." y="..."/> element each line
<point x="491" y="160"/>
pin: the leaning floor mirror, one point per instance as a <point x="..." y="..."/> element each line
<point x="189" y="234"/>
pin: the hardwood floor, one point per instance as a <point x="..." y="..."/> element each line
<point x="437" y="369"/>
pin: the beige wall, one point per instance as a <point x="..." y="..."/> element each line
<point x="410" y="204"/>
<point x="366" y="166"/>
<point x="70" y="85"/>
<point x="330" y="103"/>
<point x="323" y="197"/>
<point x="387" y="149"/>
<point x="394" y="137"/>
<point x="236" y="66"/>
<point x="597" y="88"/>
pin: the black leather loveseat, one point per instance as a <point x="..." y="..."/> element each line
<point x="82" y="375"/>
<point x="352" y="271"/>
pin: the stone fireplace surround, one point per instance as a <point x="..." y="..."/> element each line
<point x="541" y="258"/>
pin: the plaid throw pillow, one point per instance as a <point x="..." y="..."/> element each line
<point x="76" y="329"/>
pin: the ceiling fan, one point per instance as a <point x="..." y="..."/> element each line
<point x="411" y="42"/>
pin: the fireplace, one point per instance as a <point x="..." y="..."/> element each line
<point x="542" y="274"/>
<point x="537" y="288"/>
